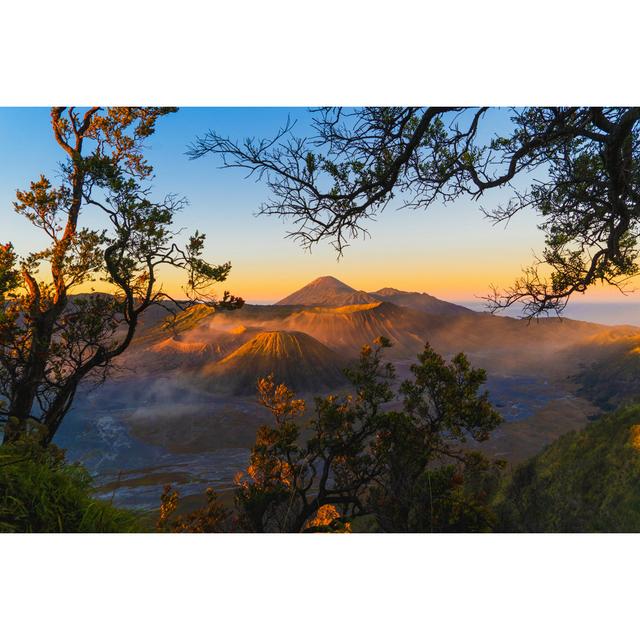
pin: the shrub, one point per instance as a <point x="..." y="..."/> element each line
<point x="40" y="492"/>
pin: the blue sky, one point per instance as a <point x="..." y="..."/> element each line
<point x="452" y="252"/>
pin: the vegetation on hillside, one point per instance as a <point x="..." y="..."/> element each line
<point x="613" y="379"/>
<point x="41" y="493"/>
<point x="587" y="481"/>
<point x="359" y="465"/>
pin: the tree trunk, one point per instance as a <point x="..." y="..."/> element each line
<point x="21" y="404"/>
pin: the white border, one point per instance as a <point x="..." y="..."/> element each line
<point x="319" y="586"/>
<point x="288" y="52"/>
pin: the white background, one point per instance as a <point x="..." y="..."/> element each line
<point x="316" y="53"/>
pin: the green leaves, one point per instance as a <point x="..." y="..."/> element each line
<point x="446" y="399"/>
<point x="9" y="274"/>
<point x="587" y="481"/>
<point x="42" y="205"/>
<point x="41" y="493"/>
<point x="311" y="164"/>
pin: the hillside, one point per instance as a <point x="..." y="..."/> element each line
<point x="295" y="358"/>
<point x="586" y="481"/>
<point x="614" y="378"/>
<point x="502" y="345"/>
<point x="349" y="327"/>
<point x="182" y="342"/>
<point x="420" y="302"/>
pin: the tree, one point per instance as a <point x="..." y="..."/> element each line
<point x="51" y="341"/>
<point x="290" y="484"/>
<point x="430" y="480"/>
<point x="410" y="470"/>
<point x="213" y="517"/>
<point x="585" y="163"/>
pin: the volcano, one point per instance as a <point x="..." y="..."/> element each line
<point x="327" y="291"/>
<point x="350" y="327"/>
<point x="294" y="358"/>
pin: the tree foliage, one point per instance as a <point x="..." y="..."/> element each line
<point x="51" y="340"/>
<point x="213" y="517"/>
<point x="290" y="479"/>
<point x="431" y="480"/>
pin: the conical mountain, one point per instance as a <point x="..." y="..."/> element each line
<point x="327" y="291"/>
<point x="294" y="358"/>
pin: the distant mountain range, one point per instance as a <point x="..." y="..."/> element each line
<point x="328" y="291"/>
<point x="307" y="338"/>
<point x="421" y="302"/>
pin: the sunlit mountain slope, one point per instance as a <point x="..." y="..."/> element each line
<point x="327" y="291"/>
<point x="294" y="358"/>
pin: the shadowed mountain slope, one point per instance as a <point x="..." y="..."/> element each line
<point x="613" y="378"/>
<point x="295" y="358"/>
<point x="420" y="302"/>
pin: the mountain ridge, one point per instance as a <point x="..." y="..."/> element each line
<point x="420" y="302"/>
<point x="328" y="291"/>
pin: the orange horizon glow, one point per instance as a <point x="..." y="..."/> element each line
<point x="273" y="285"/>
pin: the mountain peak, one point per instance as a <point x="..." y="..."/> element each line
<point x="278" y="344"/>
<point x="293" y="357"/>
<point x="327" y="291"/>
<point x="330" y="280"/>
<point x="388" y="291"/>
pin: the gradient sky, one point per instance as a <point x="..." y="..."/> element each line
<point x="451" y="252"/>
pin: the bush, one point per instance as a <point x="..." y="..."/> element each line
<point x="41" y="493"/>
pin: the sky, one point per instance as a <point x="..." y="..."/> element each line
<point x="452" y="252"/>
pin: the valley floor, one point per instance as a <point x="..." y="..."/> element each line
<point x="135" y="445"/>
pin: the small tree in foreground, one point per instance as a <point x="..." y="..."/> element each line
<point x="430" y="480"/>
<point x="407" y="468"/>
<point x="213" y="517"/>
<point x="49" y="341"/>
<point x="289" y="481"/>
